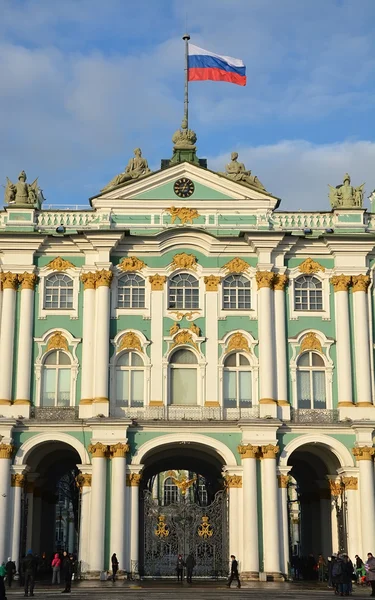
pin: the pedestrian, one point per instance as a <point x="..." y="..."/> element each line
<point x="10" y="568"/>
<point x="234" y="572"/>
<point x="370" y="569"/>
<point x="346" y="576"/>
<point x="180" y="568"/>
<point x="114" y="562"/>
<point x="29" y="565"/>
<point x="321" y="567"/>
<point x="190" y="564"/>
<point x="56" y="568"/>
<point x="67" y="572"/>
<point x="2" y="586"/>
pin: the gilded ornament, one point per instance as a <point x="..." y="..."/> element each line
<point x="104" y="278"/>
<point x="205" y="529"/>
<point x="212" y="283"/>
<point x="265" y="279"/>
<point x="335" y="487"/>
<point x="175" y="327"/>
<point x="195" y="329"/>
<point x="98" y="450"/>
<point x="157" y="282"/>
<point x="183" y="483"/>
<point x="9" y="280"/>
<point x="248" y="451"/>
<point x="184" y="337"/>
<point x="270" y="451"/>
<point x="161" y="530"/>
<point x="189" y="316"/>
<point x="310" y="266"/>
<point x="131" y="263"/>
<point x="186" y="215"/>
<point x="28" y="281"/>
<point x="6" y="450"/>
<point x="280" y="281"/>
<point x="341" y="283"/>
<point x="133" y="479"/>
<point x="83" y="480"/>
<point x="350" y="483"/>
<point x="363" y="452"/>
<point x="233" y="481"/>
<point x="130" y="341"/>
<point x="184" y="261"/>
<point x="310" y="342"/>
<point x="118" y="450"/>
<point x="360" y="283"/>
<point x="17" y="480"/>
<point x="283" y="481"/>
<point x="59" y="264"/>
<point x="89" y="280"/>
<point x="57" y="342"/>
<point x="237" y="341"/>
<point x="236" y="265"/>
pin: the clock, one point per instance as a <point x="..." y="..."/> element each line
<point x="184" y="187"/>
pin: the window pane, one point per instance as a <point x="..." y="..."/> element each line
<point x="243" y="360"/>
<point x="319" y="389"/>
<point x="303" y="361"/>
<point x="183" y="386"/>
<point x="137" y="379"/>
<point x="303" y="389"/>
<point x="245" y="388"/>
<point x="51" y="359"/>
<point x="63" y="359"/>
<point x="183" y="357"/>
<point x="230" y="392"/>
<point x="136" y="360"/>
<point x="122" y="387"/>
<point x="317" y="360"/>
<point x="48" y="387"/>
<point x="230" y="361"/>
<point x="63" y="390"/>
<point x="124" y="360"/>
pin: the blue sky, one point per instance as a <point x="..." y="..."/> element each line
<point x="83" y="82"/>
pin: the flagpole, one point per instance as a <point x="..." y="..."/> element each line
<point x="186" y="38"/>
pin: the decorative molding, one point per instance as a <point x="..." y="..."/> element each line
<point x="280" y="281"/>
<point x="310" y="266"/>
<point x="265" y="279"/>
<point x="184" y="261"/>
<point x="162" y="530"/>
<point x="350" y="483"/>
<point x="133" y="479"/>
<point x="186" y="215"/>
<point x="6" y="450"/>
<point x="363" y="452"/>
<point x="236" y="265"/>
<point x="237" y="341"/>
<point x="175" y="327"/>
<point x="89" y="280"/>
<point x="283" y="481"/>
<point x="9" y="281"/>
<point x="205" y="529"/>
<point x="195" y="329"/>
<point x="189" y="316"/>
<point x="233" y="481"/>
<point x="131" y="263"/>
<point x="335" y="487"/>
<point x="248" y="451"/>
<point x="212" y="283"/>
<point x="57" y="342"/>
<point x="310" y="342"/>
<point x="130" y="341"/>
<point x="360" y="283"/>
<point x="98" y="450"/>
<point x="270" y="451"/>
<point x="104" y="278"/>
<point x="157" y="282"/>
<point x="59" y="264"/>
<point x="341" y="283"/>
<point x="182" y="338"/>
<point x="83" y="480"/>
<point x="17" y="480"/>
<point x="28" y="281"/>
<point x="119" y="450"/>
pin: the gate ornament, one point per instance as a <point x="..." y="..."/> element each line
<point x="183" y="483"/>
<point x="162" y="530"/>
<point x="205" y="530"/>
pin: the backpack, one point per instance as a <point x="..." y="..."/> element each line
<point x="337" y="568"/>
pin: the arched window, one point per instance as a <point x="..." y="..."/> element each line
<point x="311" y="381"/>
<point x="131" y="291"/>
<point x="58" y="291"/>
<point x="308" y="293"/>
<point x="130" y="376"/>
<point x="56" y="379"/>
<point x="183" y="291"/>
<point x="183" y="377"/>
<point x="237" y="381"/>
<point x="236" y="293"/>
<point x="170" y="492"/>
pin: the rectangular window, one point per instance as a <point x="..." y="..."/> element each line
<point x="122" y="388"/>
<point x="48" y="387"/>
<point x="319" y="389"/>
<point x="63" y="390"/>
<point x="244" y="389"/>
<point x="230" y="392"/>
<point x="183" y="386"/>
<point x="137" y="382"/>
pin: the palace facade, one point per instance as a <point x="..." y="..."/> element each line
<point x="183" y="347"/>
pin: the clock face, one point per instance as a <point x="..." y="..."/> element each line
<point x="183" y="187"/>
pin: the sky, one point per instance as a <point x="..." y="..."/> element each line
<point x="84" y="82"/>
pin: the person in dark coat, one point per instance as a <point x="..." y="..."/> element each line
<point x="29" y="565"/>
<point x="190" y="564"/>
<point x="10" y="568"/>
<point x="370" y="570"/>
<point x="234" y="572"/>
<point x="67" y="572"/>
<point x="180" y="568"/>
<point x="114" y="562"/>
<point x="346" y="576"/>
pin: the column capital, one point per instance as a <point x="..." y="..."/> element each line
<point x="233" y="481"/>
<point x="133" y="479"/>
<point x="98" y="450"/>
<point x="283" y="480"/>
<point x="270" y="451"/>
<point x="9" y="280"/>
<point x="104" y="278"/>
<point x="6" y="450"/>
<point x="28" y="281"/>
<point x="17" y="480"/>
<point x="341" y="283"/>
<point x="280" y="281"/>
<point x="335" y="486"/>
<point x="248" y="451"/>
<point x="157" y="282"/>
<point x="350" y="483"/>
<point x="83" y="480"/>
<point x="212" y="283"/>
<point x="89" y="280"/>
<point x="363" y="452"/>
<point x="119" y="450"/>
<point x="360" y="283"/>
<point x="265" y="279"/>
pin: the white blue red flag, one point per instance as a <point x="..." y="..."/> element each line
<point x="203" y="65"/>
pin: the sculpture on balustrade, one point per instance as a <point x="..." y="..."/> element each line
<point x="23" y="194"/>
<point x="345" y="195"/>
<point x="137" y="167"/>
<point x="237" y="171"/>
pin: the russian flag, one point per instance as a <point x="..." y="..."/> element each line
<point x="203" y="65"/>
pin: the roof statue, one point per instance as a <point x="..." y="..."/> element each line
<point x="22" y="193"/>
<point x="345" y="195"/>
<point x="237" y="171"/>
<point x="184" y="138"/>
<point x="137" y="167"/>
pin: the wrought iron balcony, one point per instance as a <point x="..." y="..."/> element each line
<point x="307" y="415"/>
<point x="54" y="413"/>
<point x="190" y="413"/>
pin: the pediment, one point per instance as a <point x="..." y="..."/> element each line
<point x="157" y="189"/>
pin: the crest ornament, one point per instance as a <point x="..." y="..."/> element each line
<point x="237" y="341"/>
<point x="161" y="530"/>
<point x="186" y="215"/>
<point x="236" y="265"/>
<point x="59" y="264"/>
<point x="130" y="341"/>
<point x="57" y="342"/>
<point x="182" y="338"/>
<point x="131" y="263"/>
<point x="310" y="266"/>
<point x="205" y="529"/>
<point x="184" y="261"/>
<point x="310" y="342"/>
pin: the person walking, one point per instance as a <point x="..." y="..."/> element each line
<point x="10" y="568"/>
<point x="28" y="570"/>
<point x="370" y="569"/>
<point x="56" y="568"/>
<point x="234" y="572"/>
<point x="114" y="562"/>
<point x="180" y="568"/>
<point x="67" y="572"/>
<point x="190" y="564"/>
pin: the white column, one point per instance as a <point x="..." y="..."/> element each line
<point x="10" y="282"/>
<point x="364" y="456"/>
<point x="103" y="283"/>
<point x="362" y="340"/>
<point x="281" y="340"/>
<point x="118" y="506"/>
<point x="265" y="281"/>
<point x="352" y="524"/>
<point x="234" y="483"/>
<point x="134" y="479"/>
<point x="157" y="298"/>
<point x="271" y="526"/>
<point x="25" y="338"/>
<point x="283" y="479"/>
<point x="17" y="482"/>
<point x="250" y="557"/>
<point x="212" y="316"/>
<point x="341" y="285"/>
<point x="5" y="462"/>
<point x="88" y="337"/>
<point x="98" y="497"/>
<point x="84" y="482"/>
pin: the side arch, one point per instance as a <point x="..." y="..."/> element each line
<point x="342" y="454"/>
<point x="27" y="447"/>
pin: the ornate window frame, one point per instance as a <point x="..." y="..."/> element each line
<point x="117" y="312"/>
<point x="324" y="277"/>
<point x="201" y="365"/>
<point x="43" y="350"/>
<point x="44" y="273"/>
<point x="252" y="312"/>
<point x="249" y="352"/>
<point x="325" y="343"/>
<point x="190" y="313"/>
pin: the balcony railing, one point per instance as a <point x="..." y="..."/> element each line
<point x="307" y="415"/>
<point x="54" y="413"/>
<point x="190" y="413"/>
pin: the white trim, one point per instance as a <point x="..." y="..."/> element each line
<point x="44" y="273"/>
<point x="24" y="451"/>
<point x="337" y="448"/>
<point x="324" y="277"/>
